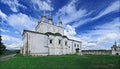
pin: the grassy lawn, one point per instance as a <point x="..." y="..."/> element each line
<point x="63" y="62"/>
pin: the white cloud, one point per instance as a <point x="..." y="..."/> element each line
<point x="4" y="30"/>
<point x="16" y="32"/>
<point x="22" y="21"/>
<point x="81" y="22"/>
<point x="42" y="5"/>
<point x="111" y="27"/>
<point x="108" y="37"/>
<point x="112" y="8"/>
<point x="13" y="4"/>
<point x="71" y="34"/>
<point x="19" y="22"/>
<point x="103" y="36"/>
<point x="3" y="15"/>
<point x="69" y="30"/>
<point x="69" y="13"/>
<point x="11" y="42"/>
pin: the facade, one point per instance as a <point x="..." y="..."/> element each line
<point x="48" y="39"/>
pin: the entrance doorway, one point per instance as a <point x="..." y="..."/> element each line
<point x="117" y="53"/>
<point x="77" y="50"/>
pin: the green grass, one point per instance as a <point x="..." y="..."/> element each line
<point x="63" y="62"/>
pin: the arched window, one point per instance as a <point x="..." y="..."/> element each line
<point x="59" y="41"/>
<point x="51" y="41"/>
<point x="66" y="43"/>
<point x="75" y="45"/>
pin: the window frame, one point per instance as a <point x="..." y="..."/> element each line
<point x="50" y="41"/>
<point x="65" y="43"/>
<point x="59" y="41"/>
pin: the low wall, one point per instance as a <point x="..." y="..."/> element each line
<point x="97" y="52"/>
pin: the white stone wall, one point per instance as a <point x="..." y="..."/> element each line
<point x="45" y="27"/>
<point x="37" y="44"/>
<point x="42" y="27"/>
<point x="55" y="45"/>
<point x="70" y="47"/>
<point x="24" y="44"/>
<point x="76" y="45"/>
<point x="116" y="51"/>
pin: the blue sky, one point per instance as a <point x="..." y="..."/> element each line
<point x="94" y="22"/>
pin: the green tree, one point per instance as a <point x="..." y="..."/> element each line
<point x="2" y="47"/>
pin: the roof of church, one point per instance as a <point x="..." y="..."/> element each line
<point x="49" y="33"/>
<point x="32" y="32"/>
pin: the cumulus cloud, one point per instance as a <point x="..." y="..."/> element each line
<point x="69" y="30"/>
<point x="13" y="4"/>
<point x="104" y="34"/>
<point x="110" y="29"/>
<point x="101" y="38"/>
<point x="11" y="42"/>
<point x="22" y="21"/>
<point x="3" y="15"/>
<point x="42" y="5"/>
<point x="19" y="22"/>
<point x="108" y="37"/>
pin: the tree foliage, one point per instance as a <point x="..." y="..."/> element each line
<point x="2" y="47"/>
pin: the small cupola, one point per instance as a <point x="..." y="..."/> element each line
<point x="50" y="20"/>
<point x="60" y="23"/>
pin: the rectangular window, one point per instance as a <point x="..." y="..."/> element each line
<point x="77" y="45"/>
<point x="50" y="41"/>
<point x="59" y="41"/>
<point x="74" y="45"/>
<point x="66" y="43"/>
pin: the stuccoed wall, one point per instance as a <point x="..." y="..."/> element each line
<point x="45" y="27"/>
<point x="116" y="52"/>
<point x="37" y="44"/>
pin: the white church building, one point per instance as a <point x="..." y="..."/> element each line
<point x="48" y="39"/>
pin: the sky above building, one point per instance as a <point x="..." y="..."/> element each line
<point x="94" y="22"/>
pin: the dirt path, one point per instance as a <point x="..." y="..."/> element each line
<point x="7" y="57"/>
